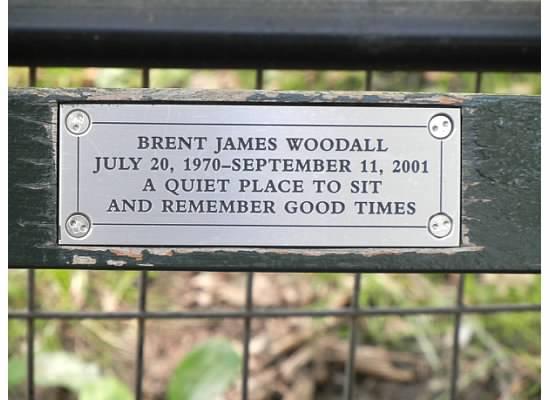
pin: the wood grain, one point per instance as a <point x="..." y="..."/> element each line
<point x="500" y="189"/>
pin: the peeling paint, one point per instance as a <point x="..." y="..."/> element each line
<point x="117" y="263"/>
<point x="131" y="252"/>
<point x="35" y="186"/>
<point x="83" y="260"/>
<point x="138" y="254"/>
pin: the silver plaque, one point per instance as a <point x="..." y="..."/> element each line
<point x="259" y="175"/>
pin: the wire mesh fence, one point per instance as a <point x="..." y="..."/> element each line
<point x="352" y="312"/>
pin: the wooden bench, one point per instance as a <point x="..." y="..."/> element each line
<point x="500" y="189"/>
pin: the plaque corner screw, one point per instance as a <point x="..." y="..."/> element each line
<point x="78" y="122"/>
<point x="78" y="225"/>
<point x="440" y="225"/>
<point x="440" y="126"/>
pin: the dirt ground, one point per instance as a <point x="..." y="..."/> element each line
<point x="290" y="358"/>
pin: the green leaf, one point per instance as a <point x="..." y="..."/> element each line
<point x="17" y="371"/>
<point x="64" y="370"/>
<point x="61" y="369"/>
<point x="108" y="388"/>
<point x="206" y="372"/>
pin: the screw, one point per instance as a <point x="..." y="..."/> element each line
<point x="440" y="126"/>
<point x="78" y="122"/>
<point x="440" y="225"/>
<point x="78" y="225"/>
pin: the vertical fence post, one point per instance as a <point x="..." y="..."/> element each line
<point x="456" y="338"/>
<point x="350" y="365"/>
<point x="368" y="80"/>
<point x="145" y="77"/>
<point x="142" y="306"/>
<point x="30" y="333"/>
<point x="32" y="76"/>
<point x="247" y="333"/>
<point x="259" y="79"/>
<point x="478" y="82"/>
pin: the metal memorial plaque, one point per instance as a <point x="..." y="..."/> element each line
<point x="259" y="175"/>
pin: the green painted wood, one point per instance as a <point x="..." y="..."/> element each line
<point x="500" y="189"/>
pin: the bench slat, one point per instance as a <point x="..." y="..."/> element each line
<point x="500" y="189"/>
